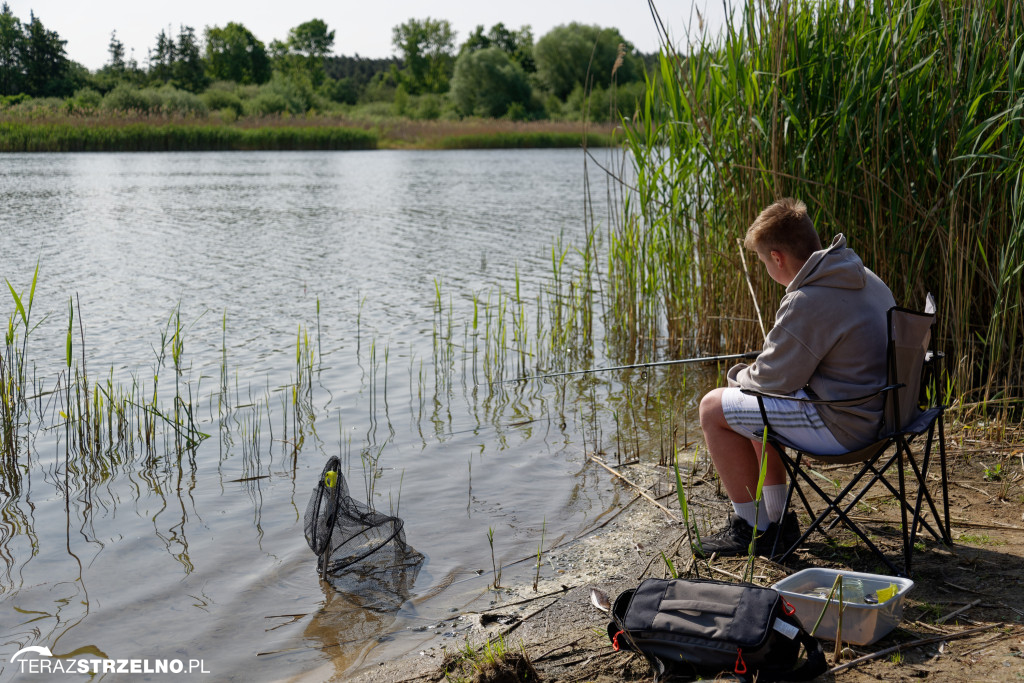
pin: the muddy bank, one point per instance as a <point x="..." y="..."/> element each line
<point x="962" y="620"/>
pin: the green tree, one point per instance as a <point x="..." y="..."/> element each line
<point x="305" y="50"/>
<point x="178" y="62"/>
<point x="115" y="49"/>
<point x="487" y="82"/>
<point x="568" y="53"/>
<point x="311" y="39"/>
<point x="161" y="58"/>
<point x="350" y="77"/>
<point x="46" y="67"/>
<point x="119" y="68"/>
<point x="428" y="54"/>
<point x="12" y="46"/>
<point x="188" y="70"/>
<point x="233" y="53"/>
<point x="516" y="44"/>
<point x="477" y="40"/>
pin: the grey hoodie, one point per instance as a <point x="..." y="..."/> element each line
<point x="829" y="338"/>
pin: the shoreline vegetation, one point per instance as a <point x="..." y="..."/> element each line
<point x="145" y="133"/>
<point x="222" y="88"/>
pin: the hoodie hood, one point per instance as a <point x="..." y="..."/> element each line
<point x="837" y="266"/>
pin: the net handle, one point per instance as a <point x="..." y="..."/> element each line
<point x="329" y="480"/>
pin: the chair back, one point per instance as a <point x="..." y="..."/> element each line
<point x="910" y="333"/>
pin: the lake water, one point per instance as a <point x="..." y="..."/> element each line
<point x="368" y="263"/>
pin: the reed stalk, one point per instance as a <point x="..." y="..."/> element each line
<point x="494" y="563"/>
<point x="540" y="551"/>
<point x="13" y="371"/>
<point x="692" y="533"/>
<point x="748" y="573"/>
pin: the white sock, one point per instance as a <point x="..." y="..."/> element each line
<point x="746" y="512"/>
<point x="774" y="498"/>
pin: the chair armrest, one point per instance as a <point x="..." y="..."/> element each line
<point x="823" y="401"/>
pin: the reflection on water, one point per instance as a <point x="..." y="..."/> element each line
<point x="347" y="628"/>
<point x="207" y="329"/>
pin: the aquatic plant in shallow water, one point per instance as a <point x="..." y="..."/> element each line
<point x="13" y="394"/>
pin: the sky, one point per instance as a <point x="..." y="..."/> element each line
<point x="362" y="27"/>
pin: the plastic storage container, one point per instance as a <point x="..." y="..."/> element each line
<point x="863" y="623"/>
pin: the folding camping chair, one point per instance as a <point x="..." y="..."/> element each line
<point x="911" y="367"/>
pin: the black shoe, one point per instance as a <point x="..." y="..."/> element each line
<point x="790" y="531"/>
<point x="790" y="535"/>
<point x="734" y="539"/>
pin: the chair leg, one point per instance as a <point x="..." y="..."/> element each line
<point x="878" y="476"/>
<point x="793" y="471"/>
<point x="785" y="507"/>
<point x="924" y="495"/>
<point x="922" y="488"/>
<point x="833" y="506"/>
<point x="792" y="465"/>
<point x="947" y="530"/>
<point x="903" y="510"/>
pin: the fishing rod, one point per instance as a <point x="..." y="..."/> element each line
<point x="680" y="361"/>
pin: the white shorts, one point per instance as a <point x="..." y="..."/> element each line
<point x="795" y="421"/>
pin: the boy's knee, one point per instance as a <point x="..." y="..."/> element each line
<point x="711" y="406"/>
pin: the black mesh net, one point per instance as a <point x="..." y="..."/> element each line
<point x="355" y="544"/>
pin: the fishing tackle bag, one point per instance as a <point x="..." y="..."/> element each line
<point x="702" y="629"/>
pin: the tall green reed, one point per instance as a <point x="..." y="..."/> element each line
<point x="14" y="386"/>
<point x="899" y="124"/>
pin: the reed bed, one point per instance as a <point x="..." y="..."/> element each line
<point x="524" y="140"/>
<point x="156" y="427"/>
<point x="155" y="432"/>
<point x="168" y="137"/>
<point x="103" y="428"/>
<point x="899" y="124"/>
<point x="403" y="132"/>
<point x="49" y="130"/>
<point x="509" y="335"/>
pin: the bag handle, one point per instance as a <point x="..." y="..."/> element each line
<point x="699" y="606"/>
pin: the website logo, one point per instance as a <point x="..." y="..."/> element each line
<point x="44" y="651"/>
<point x="45" y="663"/>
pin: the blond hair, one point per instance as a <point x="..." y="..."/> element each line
<point x="784" y="226"/>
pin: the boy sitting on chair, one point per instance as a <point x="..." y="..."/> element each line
<point x="829" y="342"/>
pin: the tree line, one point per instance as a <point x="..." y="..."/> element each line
<point x="497" y="72"/>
